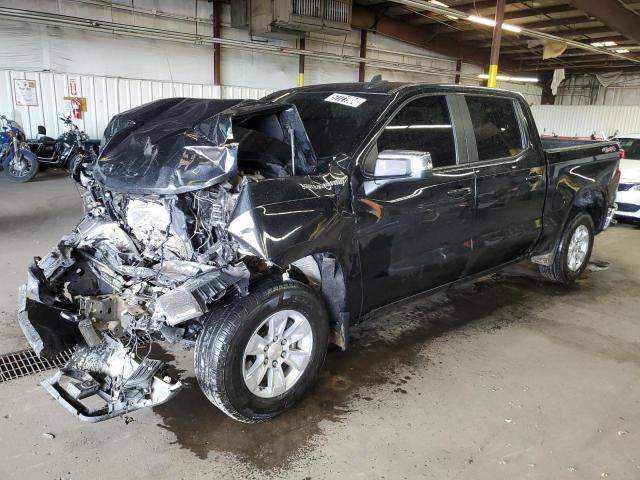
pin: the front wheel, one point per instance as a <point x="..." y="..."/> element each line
<point x="573" y="252"/>
<point x="22" y="167"/>
<point x="257" y="355"/>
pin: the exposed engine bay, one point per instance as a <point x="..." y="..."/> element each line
<point x="148" y="262"/>
<point x="135" y="270"/>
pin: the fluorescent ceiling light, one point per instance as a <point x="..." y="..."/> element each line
<point x="440" y="4"/>
<point x="506" y="78"/>
<point x="492" y="23"/>
<point x="511" y="28"/>
<point x="608" y="43"/>
<point x="621" y="50"/>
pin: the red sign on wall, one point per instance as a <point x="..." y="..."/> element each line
<point x="74" y="89"/>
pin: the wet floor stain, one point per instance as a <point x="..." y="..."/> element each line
<point x="388" y="342"/>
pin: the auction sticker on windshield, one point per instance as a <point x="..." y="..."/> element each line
<point x="348" y="100"/>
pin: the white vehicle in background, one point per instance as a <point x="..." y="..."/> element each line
<point x="628" y="197"/>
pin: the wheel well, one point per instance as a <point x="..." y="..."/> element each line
<point x="594" y="203"/>
<point x="323" y="272"/>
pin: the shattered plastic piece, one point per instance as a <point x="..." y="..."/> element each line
<point x="49" y="436"/>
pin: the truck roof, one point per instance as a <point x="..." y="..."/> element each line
<point x="385" y="87"/>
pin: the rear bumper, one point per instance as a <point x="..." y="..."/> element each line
<point x="609" y="218"/>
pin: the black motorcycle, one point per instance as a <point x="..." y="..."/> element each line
<point x="69" y="150"/>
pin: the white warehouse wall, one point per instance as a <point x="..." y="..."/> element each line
<point x="106" y="97"/>
<point x="582" y="121"/>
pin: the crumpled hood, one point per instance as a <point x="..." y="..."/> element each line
<point x="156" y="147"/>
<point x="177" y="145"/>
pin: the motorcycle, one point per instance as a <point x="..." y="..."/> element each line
<point x="16" y="159"/>
<point x="70" y="150"/>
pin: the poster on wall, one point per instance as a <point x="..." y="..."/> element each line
<point x="25" y="92"/>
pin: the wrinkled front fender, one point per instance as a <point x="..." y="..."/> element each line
<point x="282" y="220"/>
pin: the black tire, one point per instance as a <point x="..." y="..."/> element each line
<point x="33" y="170"/>
<point x="220" y="347"/>
<point x="559" y="270"/>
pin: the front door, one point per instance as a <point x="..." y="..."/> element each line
<point x="414" y="234"/>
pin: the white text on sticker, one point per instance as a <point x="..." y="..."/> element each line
<point x="348" y="100"/>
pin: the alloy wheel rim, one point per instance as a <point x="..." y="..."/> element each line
<point x="277" y="353"/>
<point x="20" y="168"/>
<point x="578" y="248"/>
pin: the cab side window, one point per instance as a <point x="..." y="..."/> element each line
<point x="496" y="127"/>
<point x="422" y="125"/>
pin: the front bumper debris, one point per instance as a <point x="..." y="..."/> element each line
<point x="47" y="326"/>
<point x="138" y="384"/>
<point x="99" y="382"/>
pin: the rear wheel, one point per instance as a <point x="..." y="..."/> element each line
<point x="573" y="252"/>
<point x="256" y="356"/>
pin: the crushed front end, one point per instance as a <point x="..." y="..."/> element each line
<point x="158" y="247"/>
<point x="136" y="269"/>
<point x="146" y="262"/>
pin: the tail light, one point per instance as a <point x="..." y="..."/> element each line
<point x="621" y="154"/>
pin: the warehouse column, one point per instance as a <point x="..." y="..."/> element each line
<point x="301" y="64"/>
<point x="216" y="46"/>
<point x="458" y="70"/>
<point x="495" y="45"/>
<point x="363" y="54"/>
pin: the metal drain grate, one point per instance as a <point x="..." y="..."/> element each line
<point x="26" y="362"/>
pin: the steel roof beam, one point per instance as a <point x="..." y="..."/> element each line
<point x="526" y="32"/>
<point x="614" y="15"/>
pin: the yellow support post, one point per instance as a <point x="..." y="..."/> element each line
<point x="493" y="76"/>
<point x="495" y="45"/>
<point x="301" y="64"/>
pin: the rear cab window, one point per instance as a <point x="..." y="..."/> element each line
<point x="496" y="126"/>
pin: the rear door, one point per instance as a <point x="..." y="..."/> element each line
<point x="415" y="233"/>
<point x="510" y="182"/>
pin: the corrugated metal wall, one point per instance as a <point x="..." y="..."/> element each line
<point x="106" y="96"/>
<point x="582" y="121"/>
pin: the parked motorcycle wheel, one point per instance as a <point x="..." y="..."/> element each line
<point x="23" y="168"/>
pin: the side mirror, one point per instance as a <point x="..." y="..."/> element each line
<point x="402" y="164"/>
<point x="42" y="130"/>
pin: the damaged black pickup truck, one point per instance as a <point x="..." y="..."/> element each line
<point x="257" y="232"/>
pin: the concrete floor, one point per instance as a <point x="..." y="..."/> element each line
<point x="509" y="377"/>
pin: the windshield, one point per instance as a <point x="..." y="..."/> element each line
<point x="631" y="147"/>
<point x="336" y="122"/>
